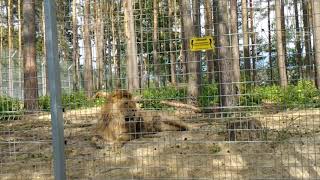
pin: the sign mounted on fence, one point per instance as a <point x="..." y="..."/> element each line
<point x="200" y="44"/>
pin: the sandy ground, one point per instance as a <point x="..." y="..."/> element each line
<point x="286" y="146"/>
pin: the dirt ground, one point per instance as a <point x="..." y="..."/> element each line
<point x="286" y="146"/>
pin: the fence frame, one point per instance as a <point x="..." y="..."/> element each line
<point x="55" y="89"/>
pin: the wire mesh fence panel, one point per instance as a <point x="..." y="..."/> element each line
<point x="174" y="89"/>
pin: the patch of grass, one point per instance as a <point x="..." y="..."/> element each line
<point x="215" y="149"/>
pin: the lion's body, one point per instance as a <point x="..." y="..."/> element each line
<point x="121" y="121"/>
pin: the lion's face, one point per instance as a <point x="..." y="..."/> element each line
<point x="124" y="112"/>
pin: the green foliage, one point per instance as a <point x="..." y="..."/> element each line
<point x="9" y="104"/>
<point x="304" y="94"/>
<point x="209" y="95"/>
<point x="71" y="101"/>
<point x="152" y="97"/>
<point x="9" y="107"/>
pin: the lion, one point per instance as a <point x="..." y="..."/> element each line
<point x="122" y="121"/>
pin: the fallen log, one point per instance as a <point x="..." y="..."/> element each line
<point x="181" y="105"/>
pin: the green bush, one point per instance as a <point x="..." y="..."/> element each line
<point x="303" y="94"/>
<point x="72" y="100"/>
<point x="209" y="95"/>
<point x="152" y="97"/>
<point x="9" y="108"/>
<point x="9" y="104"/>
<point x="44" y="103"/>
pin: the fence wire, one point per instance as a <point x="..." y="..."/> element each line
<point x="139" y="103"/>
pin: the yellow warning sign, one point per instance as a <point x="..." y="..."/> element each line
<point x="199" y="44"/>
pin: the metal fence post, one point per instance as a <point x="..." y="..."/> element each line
<point x="55" y="89"/>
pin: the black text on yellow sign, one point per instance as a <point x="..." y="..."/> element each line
<point x="201" y="44"/>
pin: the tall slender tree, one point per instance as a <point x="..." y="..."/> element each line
<point x="245" y="30"/>
<point x="183" y="53"/>
<point x="156" y="63"/>
<point x="20" y="53"/>
<point x="225" y="62"/>
<point x="307" y="39"/>
<point x="99" y="39"/>
<point x="235" y="45"/>
<point x="75" y="47"/>
<point x="10" y="48"/>
<point x="298" y="40"/>
<point x="115" y="44"/>
<point x="209" y="27"/>
<point x="171" y="14"/>
<point x="253" y="43"/>
<point x="132" y="63"/>
<point x="88" y="74"/>
<point x="29" y="56"/>
<point x="1" y="54"/>
<point x="316" y="38"/>
<point x="280" y="48"/>
<point x="1" y="48"/>
<point x="270" y="43"/>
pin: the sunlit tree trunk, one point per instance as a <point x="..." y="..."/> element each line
<point x="270" y="43"/>
<point x="253" y="44"/>
<point x="155" y="43"/>
<point x="75" y="47"/>
<point x="235" y="45"/>
<point x="184" y="46"/>
<point x="20" y="54"/>
<point x="225" y="55"/>
<point x="29" y="56"/>
<point x="44" y="75"/>
<point x="10" y="48"/>
<point x="1" y="56"/>
<point x="316" y="38"/>
<point x="172" y="44"/>
<point x="298" y="40"/>
<point x="307" y="39"/>
<point x="115" y="46"/>
<point x="99" y="37"/>
<point x="132" y="63"/>
<point x="280" y="48"/>
<point x="245" y="30"/>
<point x="209" y="28"/>
<point x="88" y="74"/>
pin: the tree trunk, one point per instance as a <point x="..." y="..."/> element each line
<point x="298" y="41"/>
<point x="191" y="58"/>
<point x="253" y="44"/>
<point x="88" y="74"/>
<point x="235" y="45"/>
<point x="115" y="47"/>
<point x="316" y="38"/>
<point x="284" y="35"/>
<point x="280" y="50"/>
<point x="270" y="43"/>
<point x="155" y="43"/>
<point x="29" y="56"/>
<point x="1" y="57"/>
<point x="142" y="66"/>
<point x="225" y="63"/>
<point x="172" y="44"/>
<point x="216" y="76"/>
<point x="20" y="54"/>
<point x="99" y="37"/>
<point x="75" y="47"/>
<point x="307" y="39"/>
<point x="245" y="30"/>
<point x="132" y="64"/>
<point x="10" y="48"/>
<point x="208" y="28"/>
<point x="44" y="75"/>
<point x="184" y="45"/>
